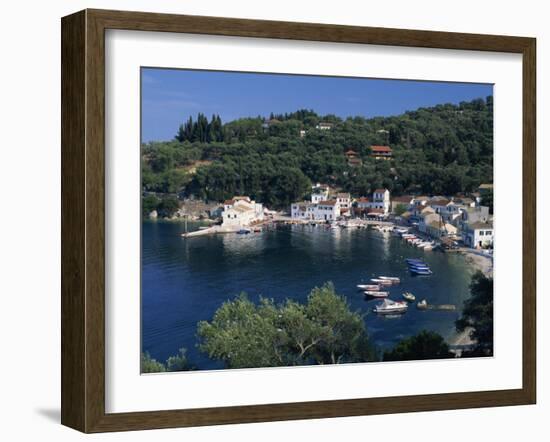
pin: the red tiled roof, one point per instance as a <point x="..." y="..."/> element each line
<point x="402" y="199"/>
<point x="363" y="199"/>
<point x="379" y="190"/>
<point x="381" y="149"/>
<point x="351" y="152"/>
<point x="375" y="211"/>
<point x="327" y="203"/>
<point x="229" y="202"/>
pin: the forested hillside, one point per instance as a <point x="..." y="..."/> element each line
<point x="444" y="149"/>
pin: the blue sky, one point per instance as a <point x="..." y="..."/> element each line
<point x="170" y="96"/>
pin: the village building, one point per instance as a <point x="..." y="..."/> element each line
<point x="406" y="201"/>
<point x="269" y="122"/>
<point x="241" y="211"/>
<point x="478" y="234"/>
<point x="343" y="200"/>
<point x="380" y="201"/>
<point x="327" y="210"/>
<point x="471" y="215"/>
<point x="381" y="152"/>
<point x="302" y="133"/>
<point x="353" y="158"/>
<point x="319" y="192"/>
<point x="323" y="125"/>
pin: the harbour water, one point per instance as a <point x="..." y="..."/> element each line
<point x="184" y="281"/>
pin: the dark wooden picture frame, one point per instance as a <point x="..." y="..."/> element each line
<point x="83" y="220"/>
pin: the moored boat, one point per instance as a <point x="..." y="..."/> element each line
<point x="393" y="279"/>
<point x="391" y="307"/>
<point x="409" y="296"/>
<point x="373" y="287"/>
<point x="377" y="294"/>
<point x="417" y="271"/>
<point x="381" y="281"/>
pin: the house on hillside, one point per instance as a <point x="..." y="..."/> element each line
<point x="241" y="211"/>
<point x="269" y="122"/>
<point x="324" y="125"/>
<point x="353" y="158"/>
<point x="319" y="192"/>
<point x="470" y="215"/>
<point x="381" y="152"/>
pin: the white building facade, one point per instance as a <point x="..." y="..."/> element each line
<point x="241" y="211"/>
<point x="478" y="235"/>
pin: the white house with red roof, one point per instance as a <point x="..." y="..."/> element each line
<point x="241" y="211"/>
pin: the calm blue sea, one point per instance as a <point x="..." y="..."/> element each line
<point x="185" y="280"/>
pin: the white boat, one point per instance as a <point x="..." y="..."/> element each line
<point x="381" y="281"/>
<point x="394" y="279"/>
<point x="388" y="307"/>
<point x="409" y="296"/>
<point x="376" y="294"/>
<point x="368" y="287"/>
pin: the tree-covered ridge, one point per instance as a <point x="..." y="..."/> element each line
<point x="443" y="149"/>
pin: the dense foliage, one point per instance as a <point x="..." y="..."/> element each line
<point x="173" y="363"/>
<point x="439" y="150"/>
<point x="323" y="331"/>
<point x="478" y="315"/>
<point x="424" y="345"/>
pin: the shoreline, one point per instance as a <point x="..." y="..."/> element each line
<point x="479" y="261"/>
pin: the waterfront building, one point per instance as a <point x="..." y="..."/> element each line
<point x="478" y="234"/>
<point x="241" y="211"/>
<point x="381" y="152"/>
<point x="343" y="200"/>
<point x="380" y="200"/>
<point x="325" y="210"/>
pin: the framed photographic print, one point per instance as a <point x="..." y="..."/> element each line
<point x="268" y="221"/>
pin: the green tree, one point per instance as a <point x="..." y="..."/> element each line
<point x="323" y="331"/>
<point x="477" y="314"/>
<point x="178" y="362"/>
<point x="150" y="365"/>
<point x="148" y="204"/>
<point x="400" y="209"/>
<point x="424" y="345"/>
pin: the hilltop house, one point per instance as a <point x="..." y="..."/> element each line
<point x="241" y="211"/>
<point x="381" y="152"/>
<point x="323" y="125"/>
<point x="478" y="234"/>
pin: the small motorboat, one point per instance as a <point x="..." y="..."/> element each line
<point x="393" y="279"/>
<point x="422" y="305"/>
<point x="373" y="287"/>
<point x="391" y="307"/>
<point x="409" y="296"/>
<point x="381" y="281"/>
<point x="417" y="271"/>
<point x="243" y="232"/>
<point x="376" y="294"/>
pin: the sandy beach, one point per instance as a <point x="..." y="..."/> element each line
<point x="479" y="261"/>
